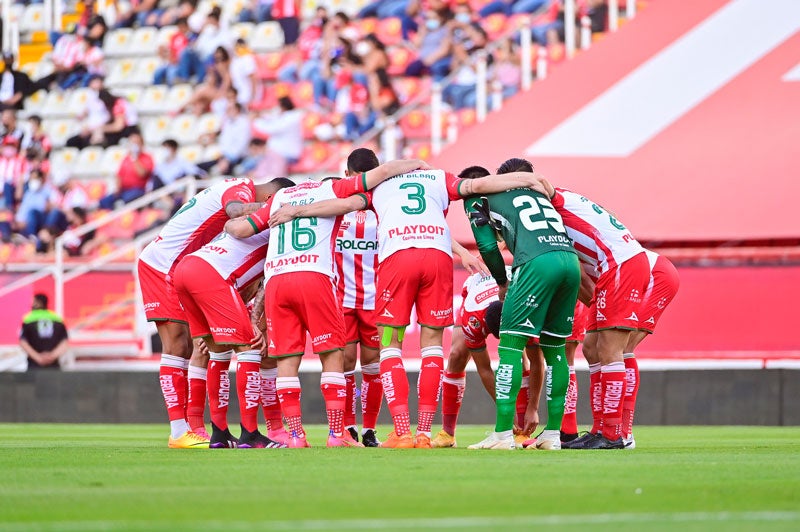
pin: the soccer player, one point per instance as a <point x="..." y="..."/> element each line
<point x="415" y="268"/>
<point x="538" y="303"/>
<point x="198" y="221"/>
<point x="623" y="274"/>
<point x="210" y="283"/>
<point x="300" y="295"/>
<point x="663" y="286"/>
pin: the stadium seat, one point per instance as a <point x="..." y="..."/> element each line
<point x="94" y="188"/>
<point x="179" y="95"/>
<point x="144" y="41"/>
<point x="145" y="69"/>
<point x="467" y="117"/>
<point x="417" y="150"/>
<point x="60" y="130"/>
<point x="6" y="251"/>
<point x="64" y="159"/>
<point x="35" y="102"/>
<point x="55" y="105"/>
<point x="32" y="19"/>
<point x="77" y="101"/>
<point x="211" y="153"/>
<point x="368" y="25"/>
<point x="389" y="31"/>
<point x="416" y="124"/>
<point x="494" y="25"/>
<point x="153" y="100"/>
<point x="231" y="8"/>
<point x="121" y="73"/>
<point x="156" y="130"/>
<point x="243" y="30"/>
<point x="192" y="153"/>
<point x="399" y="59"/>
<point x="89" y="160"/>
<point x="112" y="158"/>
<point x="268" y="65"/>
<point x="117" y="43"/>
<point x="310" y="121"/>
<point x="302" y="94"/>
<point x="182" y="129"/>
<point x="207" y="124"/>
<point x="313" y="156"/>
<point x="266" y="37"/>
<point x="165" y="34"/>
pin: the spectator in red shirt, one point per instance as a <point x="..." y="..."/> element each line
<point x="171" y="53"/>
<point x="135" y="171"/>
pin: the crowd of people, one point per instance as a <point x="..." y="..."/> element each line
<point x="252" y="269"/>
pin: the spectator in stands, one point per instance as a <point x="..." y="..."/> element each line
<point x="506" y="68"/>
<point x="75" y="245"/>
<point x="10" y="127"/>
<point x="284" y="139"/>
<point x="36" y="137"/>
<point x="36" y="201"/>
<point x="370" y="56"/>
<point x="173" y="167"/>
<point x="15" y="86"/>
<point x="307" y="64"/>
<point x="337" y="55"/>
<point x="465" y="31"/>
<point x="44" y="336"/>
<point x="382" y="96"/>
<point x="67" y="195"/>
<point x="13" y="169"/>
<point x="256" y="11"/>
<point x="352" y="99"/>
<point x="287" y="14"/>
<point x="67" y="58"/>
<point x="170" y="53"/>
<point x="413" y="16"/>
<point x="243" y="73"/>
<point x="512" y="7"/>
<point x="196" y="57"/>
<point x="184" y="10"/>
<point x="135" y="171"/>
<point x="233" y="140"/>
<point x="215" y="85"/>
<point x="461" y="92"/>
<point x="219" y="105"/>
<point x="140" y="13"/>
<point x="433" y="44"/>
<point x="121" y="118"/>
<point x="255" y="154"/>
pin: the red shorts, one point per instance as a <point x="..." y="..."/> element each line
<point x="359" y="326"/>
<point x="298" y="303"/>
<point x="415" y="276"/>
<point x="663" y="286"/>
<point x="160" y="299"/>
<point x="213" y="306"/>
<point x="579" y="323"/>
<point x="473" y="327"/>
<point x="618" y="295"/>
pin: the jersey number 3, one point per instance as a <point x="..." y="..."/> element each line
<point x="416" y="195"/>
<point x="537" y="208"/>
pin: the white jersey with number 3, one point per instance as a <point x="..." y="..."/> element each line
<point x="411" y="211"/>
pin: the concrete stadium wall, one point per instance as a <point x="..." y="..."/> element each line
<point x="709" y="397"/>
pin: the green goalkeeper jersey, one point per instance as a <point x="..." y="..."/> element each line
<point x="525" y="220"/>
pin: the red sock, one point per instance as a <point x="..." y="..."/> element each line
<point x="248" y="388"/>
<point x="269" y="400"/>
<point x="569" y="423"/>
<point x="613" y="380"/>
<point x="371" y="395"/>
<point x="395" y="388"/>
<point x="196" y="403"/>
<point x="453" y="386"/>
<point x="631" y="391"/>
<point x="429" y="387"/>
<point x="289" y="396"/>
<point x="350" y="400"/>
<point x="172" y="376"/>
<point x="219" y="388"/>
<point x="522" y="399"/>
<point x="333" y="386"/>
<point x="596" y="391"/>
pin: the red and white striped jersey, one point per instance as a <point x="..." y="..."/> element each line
<point x="240" y="261"/>
<point x="68" y="51"/>
<point x="599" y="238"/>
<point x="13" y="169"/>
<point x="357" y="259"/>
<point x="479" y="291"/>
<point x="285" y="9"/>
<point x="196" y="223"/>
<point x="411" y="210"/>
<point x="304" y="244"/>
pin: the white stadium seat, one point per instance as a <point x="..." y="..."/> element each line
<point x="243" y="30"/>
<point x="111" y="159"/>
<point x="145" y="41"/>
<point x="207" y="124"/>
<point x="182" y="129"/>
<point x="32" y="18"/>
<point x="179" y="95"/>
<point x="77" y="100"/>
<point x="35" y="102"/>
<point x="153" y="100"/>
<point x="117" y="43"/>
<point x="267" y="37"/>
<point x="192" y="153"/>
<point x="155" y="130"/>
<point x="121" y="73"/>
<point x="55" y="105"/>
<point x="64" y="159"/>
<point x="165" y="34"/>
<point x="89" y="162"/>
<point x="60" y="130"/>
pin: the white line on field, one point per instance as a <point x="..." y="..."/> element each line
<point x="409" y="523"/>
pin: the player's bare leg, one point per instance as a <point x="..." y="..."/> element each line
<point x="395" y="386"/>
<point x="371" y="394"/>
<point x="196" y="402"/>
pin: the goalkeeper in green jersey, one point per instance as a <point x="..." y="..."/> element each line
<point x="539" y="299"/>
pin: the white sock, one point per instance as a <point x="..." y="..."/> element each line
<point x="504" y="435"/>
<point x="178" y="427"/>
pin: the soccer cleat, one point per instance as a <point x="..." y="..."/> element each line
<point x="298" y="442"/>
<point x="201" y="431"/>
<point x="422" y="441"/>
<point x="256" y="440"/>
<point x="223" y="439"/>
<point x="601" y="442"/>
<point x="369" y="439"/>
<point x="188" y="440"/>
<point x="630" y="443"/>
<point x="345" y="440"/>
<point x="580" y="442"/>
<point x="393" y="441"/>
<point x="549" y="440"/>
<point x="568" y="437"/>
<point x="442" y="440"/>
<point x="353" y="433"/>
<point x="529" y="444"/>
<point x="520" y="440"/>
<point x="280" y="436"/>
<point x="495" y="443"/>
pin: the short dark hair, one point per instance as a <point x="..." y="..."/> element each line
<point x="473" y="172"/>
<point x="80" y="212"/>
<point x="170" y="143"/>
<point x="182" y="21"/>
<point x="282" y="182"/>
<point x="41" y="299"/>
<point x="362" y="160"/>
<point x="515" y="164"/>
<point x="255" y="141"/>
<point x="330" y="178"/>
<point x="36" y="119"/>
<point x="492" y="317"/>
<point x="286" y="103"/>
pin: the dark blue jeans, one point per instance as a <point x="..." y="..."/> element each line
<point x="126" y="196"/>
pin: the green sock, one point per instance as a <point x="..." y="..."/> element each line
<point x="507" y="380"/>
<point x="555" y="356"/>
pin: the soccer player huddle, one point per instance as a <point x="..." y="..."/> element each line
<point x="255" y="270"/>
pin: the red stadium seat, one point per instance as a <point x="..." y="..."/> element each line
<point x="466" y="117"/>
<point x="268" y="65"/>
<point x="302" y="93"/>
<point x="418" y="150"/>
<point x="495" y="25"/>
<point x="416" y="124"/>
<point x="389" y="31"/>
<point x="399" y="59"/>
<point x="313" y="156"/>
<point x="310" y="121"/>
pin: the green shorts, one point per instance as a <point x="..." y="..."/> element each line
<point x="541" y="296"/>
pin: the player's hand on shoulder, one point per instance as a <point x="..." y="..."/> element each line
<point x="286" y="213"/>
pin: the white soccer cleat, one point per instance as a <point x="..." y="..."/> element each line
<point x="496" y="443"/>
<point x="549" y="440"/>
<point x="630" y="443"/>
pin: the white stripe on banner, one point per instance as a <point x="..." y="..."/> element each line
<point x="661" y="90"/>
<point x="793" y="74"/>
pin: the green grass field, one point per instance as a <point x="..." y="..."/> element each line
<point x="110" y="477"/>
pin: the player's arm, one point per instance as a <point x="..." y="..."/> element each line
<point x="237" y="209"/>
<point x="321" y="209"/>
<point x="470" y="262"/>
<point x="245" y="226"/>
<point x="492" y="184"/>
<point x="487" y="243"/>
<point x="378" y="175"/>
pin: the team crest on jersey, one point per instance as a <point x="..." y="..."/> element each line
<point x="361" y="217"/>
<point x="474" y="322"/>
<point x="386" y="295"/>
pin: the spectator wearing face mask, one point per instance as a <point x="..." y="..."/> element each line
<point x="234" y="137"/>
<point x="13" y="169"/>
<point x="35" y="203"/>
<point x="434" y="47"/>
<point x="10" y="127"/>
<point x="36" y="137"/>
<point x="173" y="167"/>
<point x="135" y="171"/>
<point x="512" y="7"/>
<point x="15" y="86"/>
